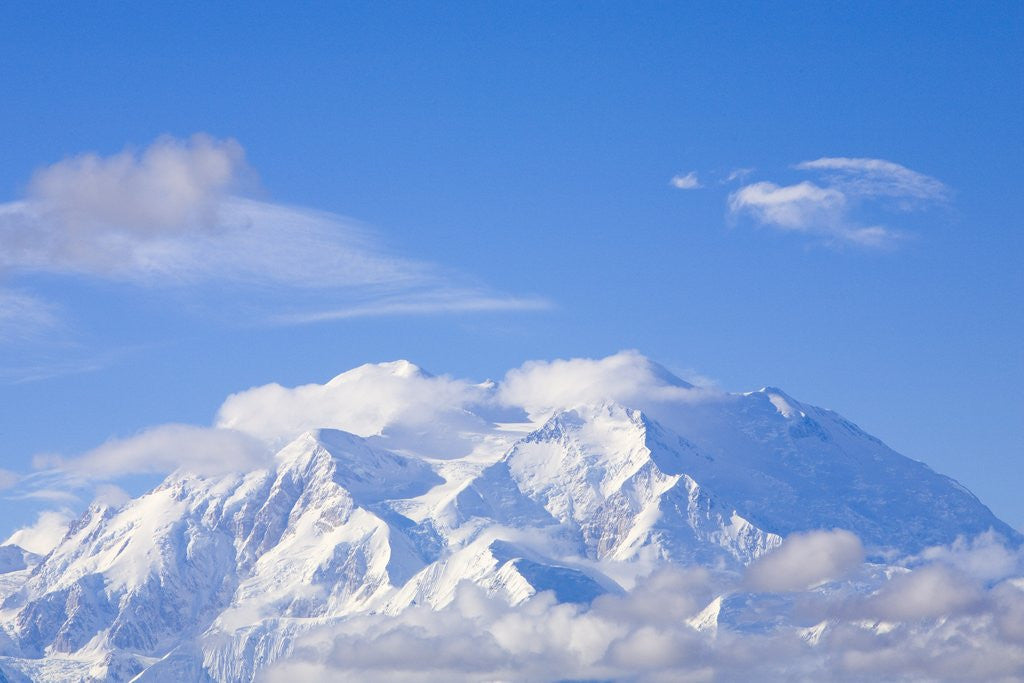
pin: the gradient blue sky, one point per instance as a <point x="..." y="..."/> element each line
<point x="526" y="150"/>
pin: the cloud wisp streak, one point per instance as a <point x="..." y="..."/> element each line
<point x="163" y="449"/>
<point x="833" y="208"/>
<point x="24" y="317"/>
<point x="878" y="178"/>
<point x="169" y="216"/>
<point x="441" y="302"/>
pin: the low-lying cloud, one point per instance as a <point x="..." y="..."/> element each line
<point x="672" y="627"/>
<point x="806" y="560"/>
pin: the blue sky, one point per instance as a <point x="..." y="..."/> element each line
<point x="511" y="164"/>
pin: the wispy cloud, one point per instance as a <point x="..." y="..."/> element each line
<point x="24" y="317"/>
<point x="168" y="216"/>
<point x="807" y="560"/>
<point x="8" y="479"/>
<point x="739" y="174"/>
<point x="162" y="449"/>
<point x="690" y="181"/>
<point x="831" y="208"/>
<point x="877" y="178"/>
<point x="44" y="534"/>
<point x="440" y="302"/>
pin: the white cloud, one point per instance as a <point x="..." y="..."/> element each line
<point x="439" y="302"/>
<point x="248" y="242"/>
<point x="479" y="637"/>
<point x="878" y="177"/>
<point x="171" y="186"/>
<point x="110" y="495"/>
<point x="806" y="560"/>
<point x="58" y="494"/>
<point x="44" y="534"/>
<point x="738" y="174"/>
<point x="791" y="207"/>
<point x="163" y="449"/>
<point x="628" y="377"/>
<point x="412" y="409"/>
<point x="829" y="210"/>
<point x="983" y="557"/>
<point x="8" y="479"/>
<point x="943" y="617"/>
<point x="686" y="182"/>
<point x="167" y="216"/>
<point x="806" y="208"/>
<point x="929" y="592"/>
<point x="24" y="317"/>
<point x="646" y="634"/>
<point x="396" y="403"/>
<point x="442" y="416"/>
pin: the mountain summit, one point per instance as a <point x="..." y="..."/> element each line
<point x="214" y="578"/>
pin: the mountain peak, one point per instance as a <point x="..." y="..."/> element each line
<point x="401" y="368"/>
<point x="367" y="472"/>
<point x="222" y="570"/>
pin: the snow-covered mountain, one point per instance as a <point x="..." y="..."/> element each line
<point x="214" y="577"/>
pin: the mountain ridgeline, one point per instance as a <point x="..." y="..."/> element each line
<point x="214" y="577"/>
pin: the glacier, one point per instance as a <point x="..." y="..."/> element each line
<point x="217" y="577"/>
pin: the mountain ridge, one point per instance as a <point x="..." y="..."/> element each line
<point x="219" y="574"/>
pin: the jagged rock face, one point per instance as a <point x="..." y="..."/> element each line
<point x="212" y="578"/>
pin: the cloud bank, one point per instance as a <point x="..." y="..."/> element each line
<point x="807" y="560"/>
<point x="684" y="624"/>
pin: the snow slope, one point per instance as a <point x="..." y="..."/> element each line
<point x="213" y="578"/>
